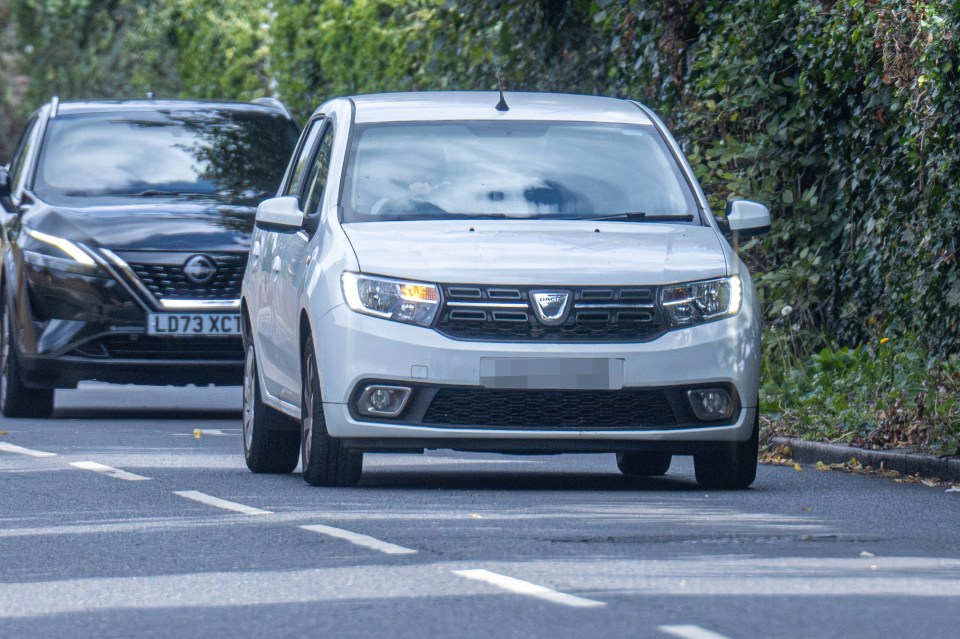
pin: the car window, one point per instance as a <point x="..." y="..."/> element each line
<point x="317" y="180"/>
<point x="19" y="164"/>
<point x="424" y="170"/>
<point x="235" y="155"/>
<point x="305" y="153"/>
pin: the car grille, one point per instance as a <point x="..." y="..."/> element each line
<point x="120" y="347"/>
<point x="628" y="409"/>
<point x="598" y="314"/>
<point x="163" y="275"/>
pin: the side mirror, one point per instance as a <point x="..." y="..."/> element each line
<point x="281" y="213"/>
<point x="747" y="219"/>
<point x="5" y="185"/>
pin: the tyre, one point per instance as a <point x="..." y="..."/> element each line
<point x="271" y="443"/>
<point x="324" y="460"/>
<point x="16" y="400"/>
<point x="733" y="466"/>
<point x="643" y="463"/>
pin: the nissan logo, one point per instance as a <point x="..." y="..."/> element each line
<point x="199" y="269"/>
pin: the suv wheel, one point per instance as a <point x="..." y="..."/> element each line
<point x="324" y="460"/>
<point x="16" y="400"/>
<point x="643" y="463"/>
<point x="271" y="443"/>
<point x="733" y="466"/>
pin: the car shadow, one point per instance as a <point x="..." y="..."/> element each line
<point x="521" y="481"/>
<point x="167" y="414"/>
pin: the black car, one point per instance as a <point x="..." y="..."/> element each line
<point x="124" y="236"/>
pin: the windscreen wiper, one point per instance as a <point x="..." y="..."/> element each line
<point x="160" y="193"/>
<point x="642" y="216"/>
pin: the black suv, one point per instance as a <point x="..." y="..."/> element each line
<point x="124" y="236"/>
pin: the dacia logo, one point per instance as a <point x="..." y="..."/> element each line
<point x="551" y="307"/>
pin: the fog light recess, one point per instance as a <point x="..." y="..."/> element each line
<point x="378" y="400"/>
<point x="711" y="404"/>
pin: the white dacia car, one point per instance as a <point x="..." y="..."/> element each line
<point x="528" y="273"/>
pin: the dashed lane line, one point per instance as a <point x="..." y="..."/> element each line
<point x="690" y="632"/>
<point x="108" y="470"/>
<point x="210" y="500"/>
<point x="19" y="450"/>
<point x="526" y="588"/>
<point x="360" y="540"/>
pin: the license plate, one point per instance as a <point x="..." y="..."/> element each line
<point x="581" y="373"/>
<point x="193" y="324"/>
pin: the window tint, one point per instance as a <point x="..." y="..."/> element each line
<point x="303" y="159"/>
<point x="18" y="164"/>
<point x="317" y="181"/>
<point x="428" y="170"/>
<point x="219" y="153"/>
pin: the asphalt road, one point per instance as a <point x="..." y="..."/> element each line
<point x="131" y="513"/>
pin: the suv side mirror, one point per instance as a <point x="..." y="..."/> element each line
<point x="5" y="186"/>
<point x="281" y="213"/>
<point x="747" y="219"/>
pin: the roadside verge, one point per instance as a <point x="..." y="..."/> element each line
<point x="947" y="469"/>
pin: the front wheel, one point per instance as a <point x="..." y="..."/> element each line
<point x="16" y="399"/>
<point x="271" y="443"/>
<point x="733" y="466"/>
<point x="324" y="460"/>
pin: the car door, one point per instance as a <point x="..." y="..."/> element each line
<point x="18" y="171"/>
<point x="290" y="264"/>
<point x="269" y="324"/>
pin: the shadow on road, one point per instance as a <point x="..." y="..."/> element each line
<point x="125" y="412"/>
<point x="532" y="480"/>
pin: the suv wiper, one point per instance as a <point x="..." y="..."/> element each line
<point x="642" y="216"/>
<point x="159" y="193"/>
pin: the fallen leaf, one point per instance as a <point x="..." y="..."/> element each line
<point x="476" y="516"/>
<point x="822" y="466"/>
<point x="3" y="432"/>
<point x="797" y="468"/>
<point x="197" y="433"/>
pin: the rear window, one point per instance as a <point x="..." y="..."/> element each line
<point x="233" y="155"/>
<point x="511" y="169"/>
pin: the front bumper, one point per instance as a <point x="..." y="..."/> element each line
<point x="73" y="327"/>
<point x="354" y="349"/>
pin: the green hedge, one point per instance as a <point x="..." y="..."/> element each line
<point x="841" y="115"/>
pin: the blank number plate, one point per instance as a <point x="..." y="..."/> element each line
<point x="554" y="373"/>
<point x="193" y="324"/>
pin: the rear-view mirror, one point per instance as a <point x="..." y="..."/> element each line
<point x="747" y="219"/>
<point x="5" y="186"/>
<point x="280" y="212"/>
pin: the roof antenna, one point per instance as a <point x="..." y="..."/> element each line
<point x="502" y="104"/>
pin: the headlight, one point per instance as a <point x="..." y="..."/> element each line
<point x="397" y="300"/>
<point x="41" y="249"/>
<point x="698" y="302"/>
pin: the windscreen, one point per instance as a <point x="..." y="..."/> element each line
<point x="230" y="155"/>
<point x="416" y="171"/>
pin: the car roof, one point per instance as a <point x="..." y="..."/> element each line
<point x="481" y="105"/>
<point x="108" y="106"/>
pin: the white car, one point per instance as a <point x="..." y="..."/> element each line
<point x="528" y="273"/>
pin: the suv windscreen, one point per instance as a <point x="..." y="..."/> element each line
<point x="225" y="154"/>
<point x="557" y="170"/>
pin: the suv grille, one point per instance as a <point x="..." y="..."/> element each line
<point x="598" y="314"/>
<point x="164" y="275"/>
<point x="628" y="409"/>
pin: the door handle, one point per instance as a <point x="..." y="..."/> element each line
<point x="276" y="266"/>
<point x="255" y="251"/>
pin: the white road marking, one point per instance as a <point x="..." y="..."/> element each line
<point x="204" y="498"/>
<point x="108" y="470"/>
<point x="526" y="588"/>
<point x="690" y="632"/>
<point x="360" y="540"/>
<point x="13" y="448"/>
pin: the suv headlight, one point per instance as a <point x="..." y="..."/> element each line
<point x="50" y="251"/>
<point x="397" y="300"/>
<point x="699" y="302"/>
